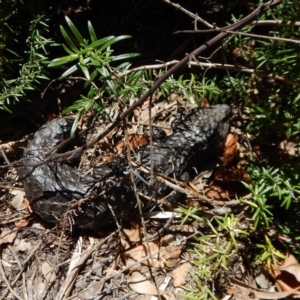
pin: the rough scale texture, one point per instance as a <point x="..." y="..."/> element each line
<point x="52" y="188"/>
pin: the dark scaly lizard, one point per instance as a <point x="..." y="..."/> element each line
<point x="50" y="186"/>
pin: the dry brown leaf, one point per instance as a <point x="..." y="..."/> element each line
<point x="249" y="292"/>
<point x="22" y="246"/>
<point x="216" y="192"/>
<point x="140" y="284"/>
<point x="91" y="291"/>
<point x="107" y="157"/>
<point x="231" y="174"/>
<point x="142" y="115"/>
<point x="167" y="256"/>
<point x="288" y="274"/>
<point x="75" y="256"/>
<point x="23" y="223"/>
<point x="135" y="140"/>
<point x="290" y="148"/>
<point x="170" y="256"/>
<point x="286" y="284"/>
<point x="17" y="199"/>
<point x="139" y="252"/>
<point x="7" y="236"/>
<point x="130" y="235"/>
<point x="236" y="52"/>
<point x="27" y="205"/>
<point x="51" y="116"/>
<point x="229" y="150"/>
<point x="204" y="102"/>
<point x="38" y="287"/>
<point x="48" y="272"/>
<point x="179" y="274"/>
<point x="291" y="265"/>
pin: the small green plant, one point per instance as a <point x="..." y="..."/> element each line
<point x="230" y="224"/>
<point x="190" y="212"/>
<point x="233" y="88"/>
<point x="261" y="210"/>
<point x="213" y="252"/>
<point x="30" y="62"/>
<point x="270" y="186"/>
<point x="192" y="89"/>
<point x="200" y="293"/>
<point x="268" y="254"/>
<point x="94" y="58"/>
<point x="94" y="54"/>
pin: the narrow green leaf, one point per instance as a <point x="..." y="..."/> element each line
<point x="93" y="75"/>
<point x="92" y="32"/>
<point x="69" y="72"/>
<point x="43" y="77"/>
<point x="67" y="49"/>
<point x="12" y="52"/>
<point x="113" y="41"/>
<point x="100" y="42"/>
<point x="84" y="51"/>
<point x="103" y="71"/>
<point x="125" y="56"/>
<point x="68" y="40"/>
<point x="73" y="69"/>
<point x="84" y="68"/>
<point x="62" y="60"/>
<point x="4" y="107"/>
<point x="29" y="88"/>
<point x="256" y="214"/>
<point x="112" y="87"/>
<point x="125" y="66"/>
<point x="133" y="79"/>
<point x="95" y="62"/>
<point x="76" y="33"/>
<point x="74" y="126"/>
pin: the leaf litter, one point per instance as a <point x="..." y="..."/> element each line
<point x="128" y="263"/>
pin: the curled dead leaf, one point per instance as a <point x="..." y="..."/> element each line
<point x="244" y="291"/>
<point x="162" y="257"/>
<point x="216" y="192"/>
<point x="140" y="284"/>
<point x="23" y="223"/>
<point x="135" y="140"/>
<point x="290" y="148"/>
<point x="7" y="236"/>
<point x="48" y="272"/>
<point x="231" y="174"/>
<point x="130" y="236"/>
<point x="17" y="199"/>
<point x="287" y="276"/>
<point x="179" y="274"/>
<point x="22" y="245"/>
<point x="230" y="149"/>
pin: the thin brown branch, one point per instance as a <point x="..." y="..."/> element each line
<point x="257" y="36"/>
<point x="190" y="14"/>
<point x="215" y="66"/>
<point x="275" y="23"/>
